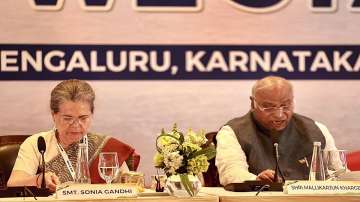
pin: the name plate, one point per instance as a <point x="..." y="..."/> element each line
<point x="322" y="187"/>
<point x="96" y="191"/>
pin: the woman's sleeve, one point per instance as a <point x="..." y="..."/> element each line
<point x="27" y="159"/>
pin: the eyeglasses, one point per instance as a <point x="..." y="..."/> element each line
<point x="69" y="120"/>
<point x="270" y="110"/>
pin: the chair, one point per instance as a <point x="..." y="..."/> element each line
<point x="353" y="160"/>
<point x="9" y="147"/>
<point x="211" y="176"/>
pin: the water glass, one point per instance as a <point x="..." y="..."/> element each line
<point x="108" y="166"/>
<point x="334" y="163"/>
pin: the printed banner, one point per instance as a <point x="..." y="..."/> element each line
<point x="177" y="62"/>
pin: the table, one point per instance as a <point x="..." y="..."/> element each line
<point x="202" y="197"/>
<point x="213" y="194"/>
<point x="227" y="196"/>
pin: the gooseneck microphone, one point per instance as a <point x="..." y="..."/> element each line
<point x="277" y="167"/>
<point x="42" y="148"/>
<point x="276" y="154"/>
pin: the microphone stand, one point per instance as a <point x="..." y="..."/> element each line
<point x="43" y="184"/>
<point x="277" y="167"/>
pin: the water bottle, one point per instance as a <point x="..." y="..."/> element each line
<point x="82" y="174"/>
<point x="317" y="171"/>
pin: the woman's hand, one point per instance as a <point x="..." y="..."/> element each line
<point x="51" y="180"/>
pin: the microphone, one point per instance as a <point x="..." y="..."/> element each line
<point x="277" y="167"/>
<point x="41" y="145"/>
<point x="42" y="148"/>
<point x="276" y="146"/>
<point x="276" y="154"/>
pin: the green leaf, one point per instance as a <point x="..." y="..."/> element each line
<point x="209" y="152"/>
<point x="187" y="184"/>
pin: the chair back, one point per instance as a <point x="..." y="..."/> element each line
<point x="211" y="176"/>
<point x="353" y="160"/>
<point x="9" y="148"/>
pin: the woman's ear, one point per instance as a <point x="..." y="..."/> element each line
<point x="53" y="115"/>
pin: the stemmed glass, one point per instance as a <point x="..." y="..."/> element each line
<point x="108" y="166"/>
<point x="334" y="163"/>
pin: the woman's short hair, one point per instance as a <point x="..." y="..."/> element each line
<point x="71" y="90"/>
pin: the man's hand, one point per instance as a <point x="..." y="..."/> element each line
<point x="266" y="175"/>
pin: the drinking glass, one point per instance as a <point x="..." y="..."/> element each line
<point x="334" y="163"/>
<point x="108" y="166"/>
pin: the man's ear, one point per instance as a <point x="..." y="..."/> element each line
<point x="252" y="105"/>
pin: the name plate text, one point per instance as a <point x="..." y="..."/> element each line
<point x="322" y="187"/>
<point x="96" y="191"/>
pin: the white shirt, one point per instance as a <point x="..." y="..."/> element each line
<point x="231" y="159"/>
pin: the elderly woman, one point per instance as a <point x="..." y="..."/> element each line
<point x="72" y="107"/>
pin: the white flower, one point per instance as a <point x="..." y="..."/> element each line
<point x="172" y="161"/>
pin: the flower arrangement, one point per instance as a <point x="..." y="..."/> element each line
<point x="183" y="155"/>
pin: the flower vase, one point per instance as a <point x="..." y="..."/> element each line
<point x="183" y="185"/>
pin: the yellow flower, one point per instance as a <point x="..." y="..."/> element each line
<point x="167" y="144"/>
<point x="198" y="165"/>
<point x="190" y="147"/>
<point x="195" y="138"/>
<point x="158" y="160"/>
